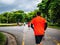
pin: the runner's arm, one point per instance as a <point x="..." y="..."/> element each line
<point x="45" y="26"/>
<point x="32" y="26"/>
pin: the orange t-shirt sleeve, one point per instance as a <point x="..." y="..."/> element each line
<point x="45" y="21"/>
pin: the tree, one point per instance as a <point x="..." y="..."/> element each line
<point x="2" y="19"/>
<point x="43" y="7"/>
<point x="55" y="7"/>
<point x="6" y="15"/>
<point x="12" y="17"/>
<point x="19" y="11"/>
<point x="50" y="9"/>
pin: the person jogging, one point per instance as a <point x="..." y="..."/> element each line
<point x="28" y="25"/>
<point x="39" y="25"/>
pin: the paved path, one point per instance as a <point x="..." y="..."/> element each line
<point x="17" y="31"/>
<point x="52" y="37"/>
<point x="10" y="39"/>
<point x="25" y="36"/>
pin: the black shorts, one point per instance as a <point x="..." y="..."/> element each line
<point x="38" y="38"/>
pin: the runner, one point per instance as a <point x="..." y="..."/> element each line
<point x="28" y="25"/>
<point x="39" y="25"/>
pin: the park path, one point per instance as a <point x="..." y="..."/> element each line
<point x="25" y="36"/>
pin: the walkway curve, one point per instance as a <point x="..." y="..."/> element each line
<point x="11" y="39"/>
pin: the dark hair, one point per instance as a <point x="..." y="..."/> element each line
<point x="38" y="13"/>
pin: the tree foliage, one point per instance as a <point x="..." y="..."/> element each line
<point x="50" y="9"/>
<point x="12" y="17"/>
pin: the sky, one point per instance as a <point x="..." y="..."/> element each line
<point x="13" y="5"/>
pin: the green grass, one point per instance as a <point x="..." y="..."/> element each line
<point x="56" y="27"/>
<point x="11" y="24"/>
<point x="2" y="38"/>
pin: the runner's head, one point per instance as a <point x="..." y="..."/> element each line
<point x="38" y="13"/>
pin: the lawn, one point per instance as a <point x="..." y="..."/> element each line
<point x="10" y="24"/>
<point x="56" y="27"/>
<point x="2" y="39"/>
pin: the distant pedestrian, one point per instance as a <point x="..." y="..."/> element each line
<point x="28" y="25"/>
<point x="24" y="23"/>
<point x="39" y="25"/>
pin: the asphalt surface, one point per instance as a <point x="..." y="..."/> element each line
<point x="25" y="35"/>
<point x="17" y="31"/>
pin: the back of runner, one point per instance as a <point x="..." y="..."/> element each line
<point x="39" y="25"/>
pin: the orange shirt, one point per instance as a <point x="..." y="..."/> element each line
<point x="38" y="23"/>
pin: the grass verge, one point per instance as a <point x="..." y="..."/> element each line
<point x="56" y="27"/>
<point x="12" y="24"/>
<point x="2" y="39"/>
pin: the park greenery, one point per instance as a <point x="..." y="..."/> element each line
<point x="50" y="9"/>
<point x="2" y="39"/>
